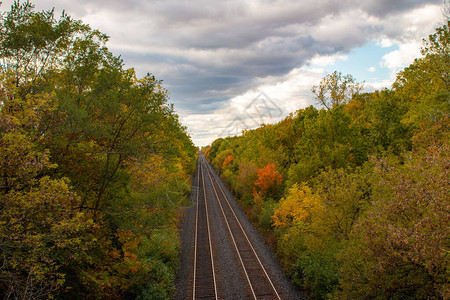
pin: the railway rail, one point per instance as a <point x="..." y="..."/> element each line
<point x="258" y="281"/>
<point x="204" y="282"/>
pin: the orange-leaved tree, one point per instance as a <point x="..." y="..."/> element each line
<point x="268" y="182"/>
<point x="227" y="161"/>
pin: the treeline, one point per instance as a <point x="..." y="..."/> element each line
<point x="94" y="165"/>
<point x="355" y="196"/>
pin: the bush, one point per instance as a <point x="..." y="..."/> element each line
<point x="316" y="272"/>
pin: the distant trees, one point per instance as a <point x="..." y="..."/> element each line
<point x="362" y="207"/>
<point x="93" y="166"/>
<point x="335" y="89"/>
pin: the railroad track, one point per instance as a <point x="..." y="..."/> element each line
<point x="204" y="283"/>
<point x="258" y="281"/>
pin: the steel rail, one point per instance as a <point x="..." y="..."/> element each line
<point x="209" y="236"/>
<point x="243" y="231"/>
<point x="196" y="230"/>
<point x="232" y="238"/>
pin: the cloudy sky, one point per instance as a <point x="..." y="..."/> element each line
<point x="233" y="64"/>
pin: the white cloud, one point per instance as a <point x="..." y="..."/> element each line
<point x="372" y="69"/>
<point x="326" y="60"/>
<point x="385" y="43"/>
<point x="398" y="59"/>
<point x="223" y="53"/>
<point x="416" y="24"/>
<point x="285" y="94"/>
<point x="378" y="85"/>
<point x="351" y="27"/>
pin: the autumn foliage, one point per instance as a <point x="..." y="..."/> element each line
<point x="298" y="208"/>
<point x="227" y="161"/>
<point x="355" y="194"/>
<point x="268" y="178"/>
<point x="94" y="166"/>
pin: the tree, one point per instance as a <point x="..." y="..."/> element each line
<point x="228" y="160"/>
<point x="32" y="42"/>
<point x="446" y="10"/>
<point x="437" y="48"/>
<point x="94" y="164"/>
<point x="42" y="235"/>
<point x="298" y="208"/>
<point x="400" y="248"/>
<point x="344" y="195"/>
<point x="245" y="179"/>
<point x="424" y="86"/>
<point x="269" y="180"/>
<point x="386" y="131"/>
<point x="335" y="89"/>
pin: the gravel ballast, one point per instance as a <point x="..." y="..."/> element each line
<point x="230" y="278"/>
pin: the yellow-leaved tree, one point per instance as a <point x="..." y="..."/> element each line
<point x="292" y="219"/>
<point x="297" y="208"/>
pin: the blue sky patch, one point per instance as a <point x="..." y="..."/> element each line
<point x="361" y="60"/>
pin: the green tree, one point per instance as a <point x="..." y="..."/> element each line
<point x="423" y="87"/>
<point x="335" y="89"/>
<point x="77" y="132"/>
<point x="42" y="235"/>
<point x="400" y="248"/>
<point x="387" y="132"/>
<point x="33" y="42"/>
